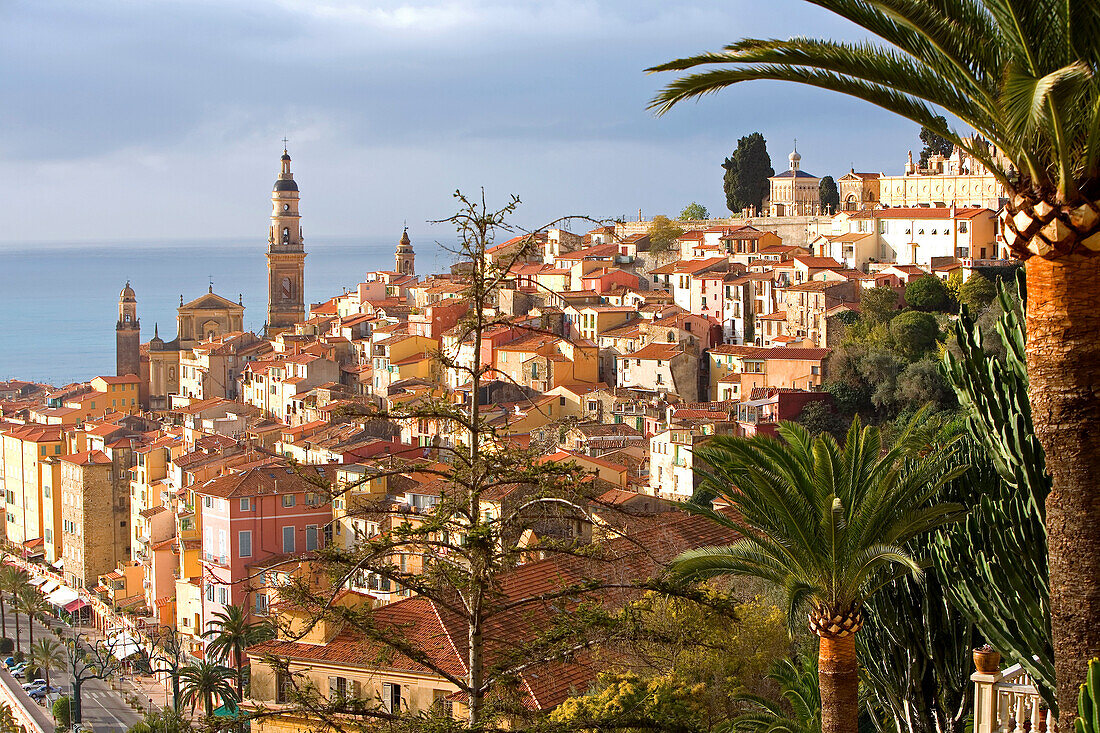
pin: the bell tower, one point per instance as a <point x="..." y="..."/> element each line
<point x="285" y="254"/>
<point x="404" y="257"/>
<point x="127" y="334"/>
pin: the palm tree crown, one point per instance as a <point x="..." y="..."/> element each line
<point x="204" y="683"/>
<point x="1023" y="73"/>
<point x="820" y="521"/>
<point x="233" y="633"/>
<point x="32" y="605"/>
<point x="48" y="655"/>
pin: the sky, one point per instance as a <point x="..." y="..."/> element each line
<point x="154" y="120"/>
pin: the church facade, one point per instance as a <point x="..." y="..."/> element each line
<point x="794" y="192"/>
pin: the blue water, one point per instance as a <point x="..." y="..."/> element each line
<point x="59" y="302"/>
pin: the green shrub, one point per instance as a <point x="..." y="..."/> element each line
<point x="61" y="712"/>
<point x="928" y="293"/>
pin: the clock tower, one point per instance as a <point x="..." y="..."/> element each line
<point x="285" y="255"/>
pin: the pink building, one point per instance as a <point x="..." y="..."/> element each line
<point x="710" y="297"/>
<point x="606" y="279"/>
<point x="249" y="516"/>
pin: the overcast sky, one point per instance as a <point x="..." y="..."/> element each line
<point x="161" y="119"/>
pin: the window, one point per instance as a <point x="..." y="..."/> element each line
<point x="312" y="499"/>
<point x="391" y="697"/>
<point x="441" y="703"/>
<point x="288" y="500"/>
<point x="311" y="537"/>
<point x="244" y="543"/>
<point x="223" y="595"/>
<point x="261" y="603"/>
<point x="288" y="539"/>
<point x="284" y="687"/>
<point x="210" y="592"/>
<point x="246" y="504"/>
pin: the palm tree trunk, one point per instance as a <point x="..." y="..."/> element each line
<point x="839" y="681"/>
<point x="3" y="617"/>
<point x="1063" y="366"/>
<point x="15" y="612"/>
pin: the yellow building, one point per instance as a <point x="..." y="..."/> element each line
<point x="120" y="394"/>
<point x="26" y="449"/>
<point x="544" y="362"/>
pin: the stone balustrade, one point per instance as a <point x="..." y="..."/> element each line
<point x="1008" y="702"/>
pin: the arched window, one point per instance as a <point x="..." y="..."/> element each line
<point x="286" y="235"/>
<point x="288" y="288"/>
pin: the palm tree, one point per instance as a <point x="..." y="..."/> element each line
<point x="32" y="605"/>
<point x="14" y="580"/>
<point x="231" y="637"/>
<point x="204" y="682"/>
<point x="827" y="525"/>
<point x="798" y="686"/>
<point x="47" y="654"/>
<point x="5" y="570"/>
<point x="1024" y="75"/>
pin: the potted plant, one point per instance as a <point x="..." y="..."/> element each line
<point x="987" y="660"/>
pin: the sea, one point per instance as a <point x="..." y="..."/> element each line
<point x="59" y="300"/>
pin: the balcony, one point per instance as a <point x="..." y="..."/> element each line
<point x="1009" y="702"/>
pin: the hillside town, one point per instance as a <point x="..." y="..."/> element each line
<point x="191" y="481"/>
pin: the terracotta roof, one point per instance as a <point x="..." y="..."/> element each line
<point x="36" y="433"/>
<point x="128" y="379"/>
<point x="820" y="262"/>
<point x="533" y="589"/>
<point x="656" y="351"/>
<point x="88" y="458"/>
<point x="774" y="352"/>
<point x="920" y="212"/>
<point x="266" y="480"/>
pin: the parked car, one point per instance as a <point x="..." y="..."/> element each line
<point x="9" y="662"/>
<point x="18" y="671"/>
<point x="33" y="684"/>
<point x="39" y="693"/>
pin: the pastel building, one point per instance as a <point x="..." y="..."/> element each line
<point x="253" y="515"/>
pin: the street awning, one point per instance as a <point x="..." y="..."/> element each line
<point x="59" y="564"/>
<point x="38" y="581"/>
<point x="123" y="645"/>
<point x="49" y="586"/>
<point x="76" y="605"/>
<point x="62" y="596"/>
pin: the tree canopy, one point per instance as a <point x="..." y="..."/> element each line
<point x="663" y="233"/>
<point x="878" y="305"/>
<point x="934" y="144"/>
<point x="928" y="293"/>
<point x="694" y="212"/>
<point x="977" y="292"/>
<point x="747" y="173"/>
<point x="830" y="196"/>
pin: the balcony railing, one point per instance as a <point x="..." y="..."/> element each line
<point x="1009" y="702"/>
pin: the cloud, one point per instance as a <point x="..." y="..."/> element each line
<point x="160" y="118"/>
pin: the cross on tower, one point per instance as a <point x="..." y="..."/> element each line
<point x="284" y="143"/>
<point x="211" y="283"/>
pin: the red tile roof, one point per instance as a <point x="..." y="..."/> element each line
<point x="774" y="352"/>
<point x="88" y="458"/>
